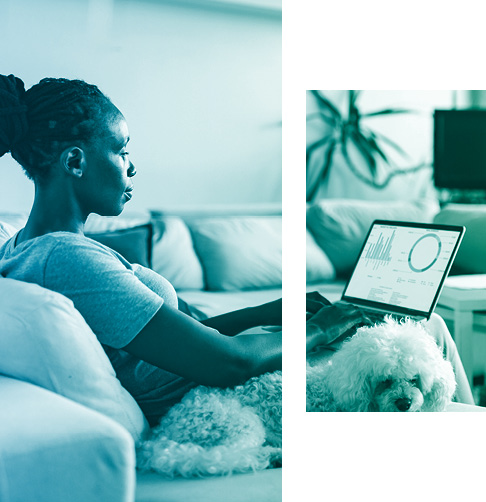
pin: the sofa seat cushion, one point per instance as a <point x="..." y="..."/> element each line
<point x="45" y="341"/>
<point x="213" y="303"/>
<point x="260" y="486"/>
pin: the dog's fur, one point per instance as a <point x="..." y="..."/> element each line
<point x="393" y="366"/>
<point x="219" y="431"/>
<point x="389" y="367"/>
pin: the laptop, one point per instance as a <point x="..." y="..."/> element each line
<point x="401" y="268"/>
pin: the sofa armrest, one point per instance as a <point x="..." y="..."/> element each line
<point x="53" y="449"/>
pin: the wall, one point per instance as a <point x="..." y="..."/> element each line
<point x="200" y="86"/>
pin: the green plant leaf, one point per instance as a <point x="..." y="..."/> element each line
<point x="314" y="146"/>
<point x="387" y="111"/>
<point x="323" y="102"/>
<point x="353" y="97"/>
<point x="365" y="149"/>
<point x="385" y="139"/>
<point x="374" y="146"/>
<point x="324" y="170"/>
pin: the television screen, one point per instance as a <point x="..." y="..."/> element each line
<point x="460" y="149"/>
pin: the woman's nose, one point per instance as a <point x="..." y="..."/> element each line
<point x="131" y="171"/>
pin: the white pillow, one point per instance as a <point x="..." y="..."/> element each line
<point x="239" y="252"/>
<point x="318" y="266"/>
<point x="173" y="254"/>
<point x="45" y="341"/>
<point x="6" y="231"/>
<point x="339" y="226"/>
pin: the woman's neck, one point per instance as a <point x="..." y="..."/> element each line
<point x="52" y="211"/>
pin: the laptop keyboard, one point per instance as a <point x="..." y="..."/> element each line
<point x="378" y="317"/>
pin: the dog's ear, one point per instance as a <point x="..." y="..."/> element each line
<point x="442" y="389"/>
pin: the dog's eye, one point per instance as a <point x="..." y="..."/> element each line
<point x="415" y="380"/>
<point x="387" y="383"/>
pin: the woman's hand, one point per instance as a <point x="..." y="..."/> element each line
<point x="332" y="322"/>
<point x="314" y="302"/>
<point x="232" y="323"/>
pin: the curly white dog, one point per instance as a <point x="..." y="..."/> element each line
<point x="218" y="431"/>
<point x="387" y="367"/>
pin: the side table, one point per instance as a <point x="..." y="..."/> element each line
<point x="461" y="301"/>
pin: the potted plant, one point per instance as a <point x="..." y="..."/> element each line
<point x="357" y="143"/>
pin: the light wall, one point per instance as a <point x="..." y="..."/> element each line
<point x="199" y="84"/>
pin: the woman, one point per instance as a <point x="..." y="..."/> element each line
<point x="72" y="142"/>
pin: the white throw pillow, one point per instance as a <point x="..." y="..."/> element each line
<point x="239" y="252"/>
<point x="339" y="226"/>
<point x="6" y="231"/>
<point x="44" y="340"/>
<point x="318" y="266"/>
<point x="173" y="254"/>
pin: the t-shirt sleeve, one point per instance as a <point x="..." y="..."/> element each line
<point x="104" y="289"/>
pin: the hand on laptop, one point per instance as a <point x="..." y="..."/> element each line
<point x="333" y="322"/>
<point x="315" y="301"/>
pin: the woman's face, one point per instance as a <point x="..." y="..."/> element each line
<point x="106" y="182"/>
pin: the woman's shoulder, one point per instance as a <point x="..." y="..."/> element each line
<point x="58" y="247"/>
<point x="65" y="239"/>
<point x="80" y="245"/>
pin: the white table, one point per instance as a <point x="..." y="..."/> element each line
<point x="461" y="301"/>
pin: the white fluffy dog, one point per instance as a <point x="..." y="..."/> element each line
<point x="218" y="431"/>
<point x="388" y="367"/>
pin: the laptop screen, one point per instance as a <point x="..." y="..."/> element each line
<point x="402" y="266"/>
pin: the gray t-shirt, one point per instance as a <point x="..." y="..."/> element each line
<point x="117" y="299"/>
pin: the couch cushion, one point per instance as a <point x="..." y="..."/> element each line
<point x="260" y="486"/>
<point x="6" y="231"/>
<point x="239" y="252"/>
<point x="318" y="266"/>
<point x="340" y="225"/>
<point x="45" y="341"/>
<point x="133" y="243"/>
<point x="471" y="257"/>
<point x="173" y="254"/>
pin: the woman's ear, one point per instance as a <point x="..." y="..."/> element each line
<point x="73" y="161"/>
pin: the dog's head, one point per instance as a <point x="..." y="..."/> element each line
<point x="391" y="367"/>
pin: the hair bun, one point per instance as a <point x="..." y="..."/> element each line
<point x="13" y="112"/>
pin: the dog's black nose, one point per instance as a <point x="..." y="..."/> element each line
<point x="403" y="404"/>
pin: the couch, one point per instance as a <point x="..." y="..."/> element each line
<point x="68" y="427"/>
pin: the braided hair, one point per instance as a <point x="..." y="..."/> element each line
<point x="37" y="124"/>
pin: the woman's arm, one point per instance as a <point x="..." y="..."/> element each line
<point x="177" y="343"/>
<point x="232" y="323"/>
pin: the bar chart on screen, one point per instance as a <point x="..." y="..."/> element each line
<point x="379" y="252"/>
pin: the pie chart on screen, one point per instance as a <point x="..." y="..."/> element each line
<point x="424" y="253"/>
